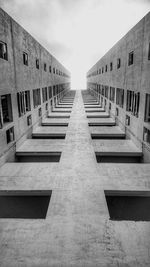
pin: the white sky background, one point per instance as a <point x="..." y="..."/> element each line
<point x="77" y="32"/>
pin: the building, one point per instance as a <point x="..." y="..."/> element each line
<point x="121" y="80"/>
<point x="74" y="190"/>
<point x="31" y="81"/>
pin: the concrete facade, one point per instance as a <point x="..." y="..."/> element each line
<point x="133" y="76"/>
<point x="16" y="77"/>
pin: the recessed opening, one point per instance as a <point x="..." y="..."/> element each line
<point x="108" y="136"/>
<point x="117" y="158"/>
<point x="102" y="123"/>
<point x="128" y="205"/>
<point x="24" y="204"/>
<point x="49" y="136"/>
<point x="55" y="124"/>
<point x="38" y="157"/>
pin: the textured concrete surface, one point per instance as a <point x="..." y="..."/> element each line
<point x="49" y="130"/>
<point x="55" y="121"/>
<point x="101" y="120"/>
<point x="98" y="115"/>
<point x="77" y="231"/>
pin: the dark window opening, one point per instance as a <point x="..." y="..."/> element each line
<point x="37" y="63"/>
<point x="147" y="108"/>
<point x="40" y="112"/>
<point x="117" y="112"/>
<point x="118" y="63"/>
<point x="131" y="58"/>
<point x="10" y="135"/>
<point x="128" y="205"/>
<point x="3" y="51"/>
<point x="29" y="120"/>
<point x="54" y="70"/>
<point x="112" y="94"/>
<point x="133" y="101"/>
<point x="45" y="67"/>
<point x="120" y="97"/>
<point x="111" y="66"/>
<point x="127" y="120"/>
<point x="149" y="52"/>
<point x="146" y="135"/>
<point x="50" y="91"/>
<point x="36" y="97"/>
<point x="24" y="105"/>
<point x="24" y="204"/>
<point x="106" y="68"/>
<point x="6" y="108"/>
<point x="44" y="94"/>
<point x="25" y="58"/>
<point x="50" y="69"/>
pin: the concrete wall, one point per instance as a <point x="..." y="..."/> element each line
<point x="17" y="77"/>
<point x="135" y="77"/>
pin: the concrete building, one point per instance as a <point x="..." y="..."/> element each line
<point x="31" y="81"/>
<point x="74" y="190"/>
<point x="121" y="80"/>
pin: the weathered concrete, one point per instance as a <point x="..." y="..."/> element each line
<point x="77" y="230"/>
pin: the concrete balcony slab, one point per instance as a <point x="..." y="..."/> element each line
<point x="107" y="132"/>
<point x="55" y="122"/>
<point x="101" y="122"/>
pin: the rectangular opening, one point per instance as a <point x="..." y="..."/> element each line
<point x="10" y="135"/>
<point x="130" y="58"/>
<point x="128" y="205"/>
<point x="29" y="120"/>
<point x="117" y="158"/>
<point x="3" y="50"/>
<point x="146" y="135"/>
<point x="37" y="63"/>
<point x="36" y="97"/>
<point x="108" y="136"/>
<point x="49" y="136"/>
<point x="6" y="108"/>
<point x="25" y="58"/>
<point x="24" y="204"/>
<point x="147" y="108"/>
<point x="38" y="157"/>
<point x="55" y="124"/>
<point x="133" y="100"/>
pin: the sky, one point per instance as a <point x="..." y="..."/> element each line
<point x="77" y="32"/>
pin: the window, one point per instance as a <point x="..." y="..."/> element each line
<point x="149" y="52"/>
<point x="50" y="69"/>
<point x="54" y="90"/>
<point x="25" y="58"/>
<point x="130" y="59"/>
<point x="109" y="106"/>
<point x="120" y="97"/>
<point x="44" y="94"/>
<point x="37" y="63"/>
<point x="146" y="135"/>
<point x="147" y="108"/>
<point x="111" y="66"/>
<point x="118" y="63"/>
<point x="106" y="68"/>
<point x="10" y="135"/>
<point x="50" y="91"/>
<point x="40" y="112"/>
<point x="133" y="100"/>
<point x="106" y="91"/>
<point x="99" y="71"/>
<point x="127" y="122"/>
<point x="112" y="94"/>
<point x="44" y="66"/>
<point x="29" y="120"/>
<point x="36" y="97"/>
<point x="102" y="69"/>
<point x="6" y="108"/>
<point x="23" y="99"/>
<point x="103" y="90"/>
<point x="46" y="106"/>
<point x="54" y="70"/>
<point x="117" y="112"/>
<point x="3" y="51"/>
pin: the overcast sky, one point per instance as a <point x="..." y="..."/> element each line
<point x="77" y="32"/>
